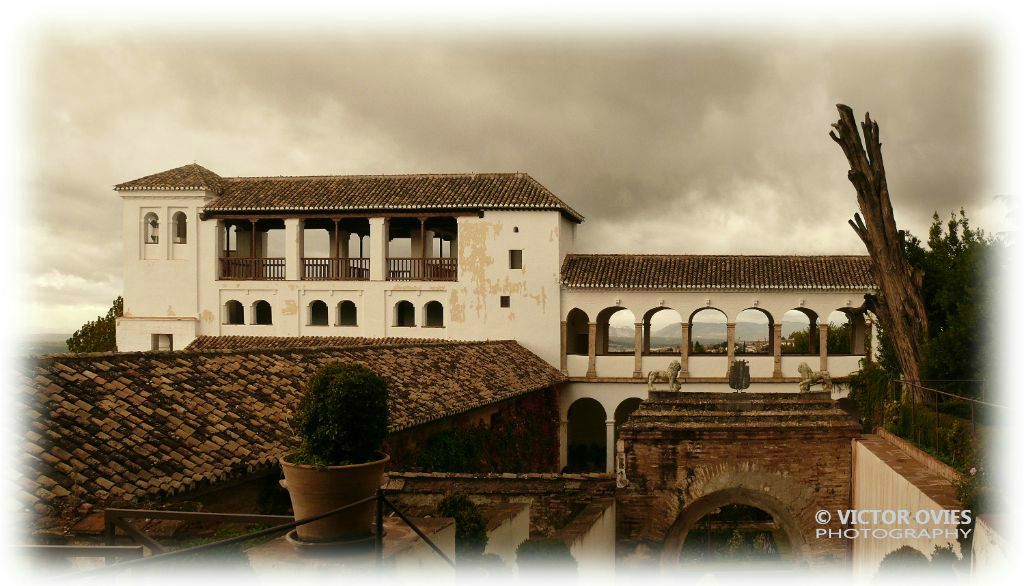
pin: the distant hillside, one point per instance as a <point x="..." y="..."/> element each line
<point x="705" y="333"/>
<point x="36" y="344"/>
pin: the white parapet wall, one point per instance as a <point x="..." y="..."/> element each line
<point x="887" y="479"/>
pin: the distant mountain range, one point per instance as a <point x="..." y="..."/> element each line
<point x="35" y="344"/>
<point x="704" y="332"/>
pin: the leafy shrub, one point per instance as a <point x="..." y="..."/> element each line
<point x="902" y="560"/>
<point x="470" y="526"/>
<point x="539" y="555"/>
<point x="869" y="389"/>
<point x="342" y="418"/>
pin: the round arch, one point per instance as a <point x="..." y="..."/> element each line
<point x="318" y="313"/>
<point x="262" y="313"/>
<point x="607" y="340"/>
<point x="712" y="335"/>
<point x="660" y="337"/>
<point x="433" y="315"/>
<point x="234" y="313"/>
<point x="348" y="314"/>
<point x="695" y="511"/>
<point x="586" y="438"/>
<point x="404" y="315"/>
<point x="577" y="332"/>
<point x="756" y="334"/>
<point x="800" y="331"/>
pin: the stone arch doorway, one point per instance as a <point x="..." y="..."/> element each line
<point x="689" y="520"/>
<point x="587" y="438"/>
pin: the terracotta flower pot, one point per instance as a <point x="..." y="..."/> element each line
<point x="314" y="491"/>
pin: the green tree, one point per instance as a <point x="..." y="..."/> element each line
<point x="99" y="335"/>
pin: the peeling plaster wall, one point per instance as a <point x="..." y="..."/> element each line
<point x="190" y="289"/>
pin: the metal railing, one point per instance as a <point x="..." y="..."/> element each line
<point x="937" y="404"/>
<point x="252" y="269"/>
<point x="118" y="518"/>
<point x="422" y="269"/>
<point x="336" y="269"/>
<point x="107" y="552"/>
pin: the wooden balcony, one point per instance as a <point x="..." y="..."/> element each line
<point x="422" y="269"/>
<point x="336" y="269"/>
<point x="252" y="269"/>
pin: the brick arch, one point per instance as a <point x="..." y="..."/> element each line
<point x="780" y="511"/>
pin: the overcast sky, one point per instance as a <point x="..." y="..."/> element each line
<point x="665" y="144"/>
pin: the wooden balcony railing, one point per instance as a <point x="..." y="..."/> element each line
<point x="422" y="269"/>
<point x="252" y="269"/>
<point x="336" y="269"/>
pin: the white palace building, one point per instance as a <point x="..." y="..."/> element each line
<point x="473" y="257"/>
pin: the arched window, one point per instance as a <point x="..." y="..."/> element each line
<point x="616" y="331"/>
<point x="434" y="312"/>
<point x="318" y="313"/>
<point x="662" y="333"/>
<point x="180" y="228"/>
<point x="151" y="228"/>
<point x="754" y="332"/>
<point x="577" y="332"/>
<point x="800" y="332"/>
<point x="234" y="313"/>
<point x="708" y="331"/>
<point x="347" y="314"/>
<point x="587" y="437"/>
<point x="405" y="315"/>
<point x="262" y="314"/>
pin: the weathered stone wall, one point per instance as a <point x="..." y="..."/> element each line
<point x="554" y="499"/>
<point x="679" y="466"/>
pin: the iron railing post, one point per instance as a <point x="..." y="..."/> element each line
<point x="936" y="442"/>
<point x="378" y="537"/>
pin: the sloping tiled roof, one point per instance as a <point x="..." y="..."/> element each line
<point x="128" y="427"/>
<point x="708" y="272"/>
<point x="278" y="342"/>
<point x="465" y="191"/>
<point x="185" y="178"/>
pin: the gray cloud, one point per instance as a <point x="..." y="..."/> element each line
<point x="666" y="145"/>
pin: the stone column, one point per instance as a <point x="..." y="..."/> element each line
<point x="609" y="438"/>
<point x="563" y="443"/>
<point x="823" y="345"/>
<point x="730" y="343"/>
<point x="592" y="349"/>
<point x="684" y="349"/>
<point x="378" y="248"/>
<point x="293" y="249"/>
<point x="638" y="347"/>
<point x="564" y="360"/>
<point x="777" y="349"/>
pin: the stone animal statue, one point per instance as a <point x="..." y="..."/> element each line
<point x="809" y="378"/>
<point x="670" y="376"/>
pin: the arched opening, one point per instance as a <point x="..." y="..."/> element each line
<point x="708" y="331"/>
<point x="587" y="447"/>
<point x="151" y="228"/>
<point x="662" y="331"/>
<point x="347" y="314"/>
<point x="262" y="314"/>
<point x="847" y="333"/>
<point x="616" y="331"/>
<point x="318" y="313"/>
<point x="623" y="411"/>
<point x="180" y="224"/>
<point x="734" y="525"/>
<point x="800" y="332"/>
<point x="433" y="312"/>
<point x="577" y="332"/>
<point x="234" y="313"/>
<point x="735" y="533"/>
<point x="405" y="315"/>
<point x="753" y="332"/>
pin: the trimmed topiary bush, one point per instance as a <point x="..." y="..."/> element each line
<point x="470" y="526"/>
<point x="537" y="556"/>
<point x="342" y="418"/>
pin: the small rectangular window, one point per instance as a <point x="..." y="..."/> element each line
<point x="506" y="301"/>
<point x="515" y="259"/>
<point x="162" y="342"/>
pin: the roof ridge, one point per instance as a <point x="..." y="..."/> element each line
<point x="670" y="255"/>
<point x="395" y="175"/>
<point x="80" y="356"/>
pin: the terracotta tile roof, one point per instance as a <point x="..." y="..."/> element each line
<point x="185" y="178"/>
<point x="465" y="191"/>
<point x="129" y="427"/>
<point x="708" y="272"/>
<point x="275" y="342"/>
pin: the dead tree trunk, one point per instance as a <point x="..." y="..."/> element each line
<point x="898" y="304"/>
